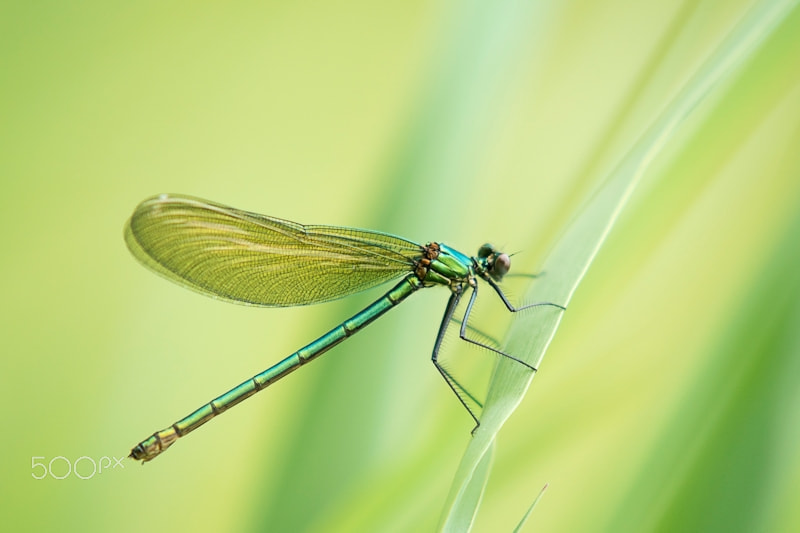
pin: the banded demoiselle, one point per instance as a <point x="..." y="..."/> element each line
<point x="259" y="260"/>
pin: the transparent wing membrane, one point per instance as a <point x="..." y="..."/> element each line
<point x="259" y="260"/>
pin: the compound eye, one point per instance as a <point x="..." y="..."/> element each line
<point x="485" y="251"/>
<point x="501" y="266"/>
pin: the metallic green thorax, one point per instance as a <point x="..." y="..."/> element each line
<point x="443" y="265"/>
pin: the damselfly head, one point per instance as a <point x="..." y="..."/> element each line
<point x="497" y="264"/>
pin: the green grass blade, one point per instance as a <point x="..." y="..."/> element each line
<point x="530" y="510"/>
<point x="471" y="497"/>
<point x="532" y="332"/>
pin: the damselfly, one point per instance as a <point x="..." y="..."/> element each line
<point x="264" y="261"/>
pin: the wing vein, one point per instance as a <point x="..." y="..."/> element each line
<point x="259" y="260"/>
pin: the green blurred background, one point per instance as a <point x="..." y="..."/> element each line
<point x="669" y="399"/>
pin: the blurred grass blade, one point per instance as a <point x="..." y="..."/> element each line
<point x="737" y="421"/>
<point x="474" y="491"/>
<point x="568" y="262"/>
<point x="530" y="510"/>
